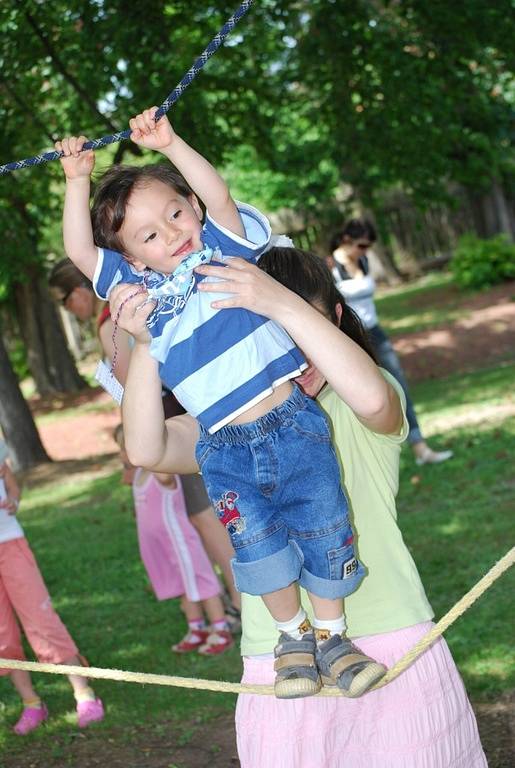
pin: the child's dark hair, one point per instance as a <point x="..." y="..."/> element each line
<point x="113" y="192"/>
<point x="307" y="275"/>
<point x="353" y="229"/>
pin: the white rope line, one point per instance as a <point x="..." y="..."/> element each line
<point x="219" y="685"/>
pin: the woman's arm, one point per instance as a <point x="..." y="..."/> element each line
<point x="119" y="344"/>
<point x="150" y="442"/>
<point x="347" y="368"/>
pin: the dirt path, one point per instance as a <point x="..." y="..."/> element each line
<point x="483" y="338"/>
<point x="213" y="745"/>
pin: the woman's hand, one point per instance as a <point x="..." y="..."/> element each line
<point x="249" y="286"/>
<point x="130" y="309"/>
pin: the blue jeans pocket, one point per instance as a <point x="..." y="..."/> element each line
<point x="312" y="425"/>
<point x="342" y="562"/>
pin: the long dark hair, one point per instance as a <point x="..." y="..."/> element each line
<point x="307" y="275"/>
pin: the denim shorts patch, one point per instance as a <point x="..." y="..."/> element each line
<point x="275" y="485"/>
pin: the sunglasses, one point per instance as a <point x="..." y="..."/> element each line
<point x="363" y="246"/>
<point x="66" y="296"/>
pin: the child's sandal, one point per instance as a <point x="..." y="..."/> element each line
<point x="343" y="665"/>
<point x="296" y="671"/>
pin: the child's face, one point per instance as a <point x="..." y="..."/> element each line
<point x="161" y="227"/>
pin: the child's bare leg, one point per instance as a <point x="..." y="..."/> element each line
<point x="214" y="609"/>
<point x="22" y="682"/>
<point x="219" y="548"/>
<point x="283" y="604"/>
<point x="192" y="610"/>
<point x="326" y="609"/>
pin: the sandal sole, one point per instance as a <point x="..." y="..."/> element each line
<point x="297" y="688"/>
<point x="361" y="683"/>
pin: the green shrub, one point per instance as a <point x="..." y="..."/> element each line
<point x="478" y="263"/>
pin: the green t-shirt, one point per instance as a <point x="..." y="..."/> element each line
<point x="391" y="595"/>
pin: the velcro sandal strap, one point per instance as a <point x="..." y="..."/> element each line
<point x="338" y="666"/>
<point x="295" y="646"/>
<point x="294" y="659"/>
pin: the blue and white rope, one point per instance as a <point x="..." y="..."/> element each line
<point x="179" y="89"/>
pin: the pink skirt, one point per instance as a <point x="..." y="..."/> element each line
<point x="423" y="719"/>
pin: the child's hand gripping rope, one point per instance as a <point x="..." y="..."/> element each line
<point x="76" y="163"/>
<point x="151" y="134"/>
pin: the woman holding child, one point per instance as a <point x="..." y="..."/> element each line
<point x="423" y="718"/>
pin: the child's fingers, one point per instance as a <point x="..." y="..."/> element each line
<point x="140" y="122"/>
<point x="71" y="145"/>
<point x="136" y="133"/>
<point x="149" y="117"/>
<point x="79" y="143"/>
<point x="63" y="146"/>
<point x="126" y="298"/>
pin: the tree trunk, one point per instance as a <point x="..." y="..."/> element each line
<point x="491" y="212"/>
<point x="16" y="420"/>
<point x="51" y="364"/>
<point x="504" y="215"/>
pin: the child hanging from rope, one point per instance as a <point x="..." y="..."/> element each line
<point x="174" y="558"/>
<point x="23" y="592"/>
<point x="264" y="450"/>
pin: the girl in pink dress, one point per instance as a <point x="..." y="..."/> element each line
<point x="175" y="560"/>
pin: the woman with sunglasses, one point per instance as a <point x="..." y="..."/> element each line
<point x="353" y="280"/>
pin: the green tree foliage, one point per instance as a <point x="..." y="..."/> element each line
<point x="302" y="96"/>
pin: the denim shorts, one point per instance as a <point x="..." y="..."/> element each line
<point x="275" y="485"/>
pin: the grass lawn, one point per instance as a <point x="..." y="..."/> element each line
<point x="457" y="519"/>
<point x="420" y="305"/>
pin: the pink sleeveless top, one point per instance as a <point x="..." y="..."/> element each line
<point x="170" y="547"/>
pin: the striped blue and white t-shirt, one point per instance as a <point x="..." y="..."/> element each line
<point x="218" y="363"/>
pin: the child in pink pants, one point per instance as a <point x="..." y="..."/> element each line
<point x="174" y="558"/>
<point x="23" y="592"/>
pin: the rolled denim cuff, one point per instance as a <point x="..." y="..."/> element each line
<point x="331" y="588"/>
<point x="269" y="573"/>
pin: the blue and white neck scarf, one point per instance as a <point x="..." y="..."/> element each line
<point x="173" y="291"/>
